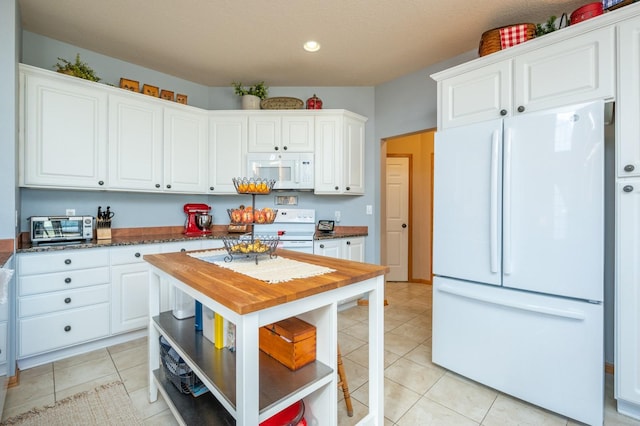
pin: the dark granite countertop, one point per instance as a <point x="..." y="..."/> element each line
<point x="4" y="257"/>
<point x="122" y="239"/>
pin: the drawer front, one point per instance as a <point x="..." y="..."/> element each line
<point x="36" y="284"/>
<point x="62" y="329"/>
<point x="132" y="254"/>
<point x="62" y="300"/>
<point x="65" y="260"/>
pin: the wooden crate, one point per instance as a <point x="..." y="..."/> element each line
<point x="291" y="341"/>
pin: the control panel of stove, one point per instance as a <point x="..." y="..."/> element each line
<point x="296" y="216"/>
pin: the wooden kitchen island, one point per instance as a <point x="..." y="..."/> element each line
<point x="247" y="386"/>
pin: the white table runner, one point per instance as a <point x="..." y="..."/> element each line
<point x="270" y="270"/>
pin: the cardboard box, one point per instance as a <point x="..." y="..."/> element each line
<point x="291" y="341"/>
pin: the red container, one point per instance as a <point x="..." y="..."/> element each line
<point x="293" y="415"/>
<point x="585" y="12"/>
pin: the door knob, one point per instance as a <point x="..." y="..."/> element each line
<point x="404" y="225"/>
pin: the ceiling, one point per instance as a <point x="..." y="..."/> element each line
<point x="215" y="42"/>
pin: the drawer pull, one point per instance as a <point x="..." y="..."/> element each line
<point x="67" y="261"/>
<point x="629" y="168"/>
<point x="348" y="243"/>
<point x="321" y="245"/>
<point x="137" y="255"/>
<point x="628" y="188"/>
<point x="183" y="249"/>
<point x="67" y="300"/>
<point x="67" y="328"/>
<point x="67" y="280"/>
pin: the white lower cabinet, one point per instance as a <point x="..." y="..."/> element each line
<point x="627" y="287"/>
<point x="351" y="248"/>
<point x="129" y="287"/>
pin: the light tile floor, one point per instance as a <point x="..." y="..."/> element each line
<point x="417" y="392"/>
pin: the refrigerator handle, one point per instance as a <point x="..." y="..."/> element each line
<point x="495" y="156"/>
<point x="506" y="200"/>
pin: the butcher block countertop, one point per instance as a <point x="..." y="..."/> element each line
<point x="243" y="294"/>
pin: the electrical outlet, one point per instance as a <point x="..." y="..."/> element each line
<point x="71" y="212"/>
<point x="337" y="215"/>
<point x="369" y="209"/>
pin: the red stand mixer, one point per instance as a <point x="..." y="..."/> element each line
<point x="198" y="220"/>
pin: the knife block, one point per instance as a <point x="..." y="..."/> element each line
<point x="103" y="229"/>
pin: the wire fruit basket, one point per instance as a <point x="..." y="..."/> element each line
<point x="248" y="245"/>
<point x="253" y="185"/>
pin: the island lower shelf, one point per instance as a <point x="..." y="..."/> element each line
<point x="217" y="368"/>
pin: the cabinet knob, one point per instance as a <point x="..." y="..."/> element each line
<point x="348" y="243"/>
<point x="520" y="108"/>
<point x="284" y="147"/>
<point x="503" y="112"/>
<point x="629" y="168"/>
<point x="183" y="249"/>
<point x="627" y="188"/>
<point x="321" y="245"/>
<point x="335" y="187"/>
<point x="276" y="148"/>
<point x="137" y="255"/>
<point x="67" y="261"/>
<point x="67" y="280"/>
<point x="348" y="188"/>
<point x="100" y="182"/>
<point x="211" y="188"/>
<point x="67" y="300"/>
<point x="169" y="186"/>
<point x="67" y="328"/>
<point x="157" y="185"/>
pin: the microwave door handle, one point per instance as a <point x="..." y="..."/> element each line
<point x="296" y="171"/>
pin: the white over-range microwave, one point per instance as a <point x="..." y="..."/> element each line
<point x="291" y="170"/>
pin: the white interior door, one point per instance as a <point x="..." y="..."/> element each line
<point x="398" y="218"/>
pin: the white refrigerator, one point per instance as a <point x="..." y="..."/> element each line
<point x="518" y="257"/>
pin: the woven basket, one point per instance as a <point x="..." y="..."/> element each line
<point x="490" y="40"/>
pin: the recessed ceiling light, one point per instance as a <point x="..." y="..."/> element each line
<point x="312" y="46"/>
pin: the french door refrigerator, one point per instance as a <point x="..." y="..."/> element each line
<point x="518" y="257"/>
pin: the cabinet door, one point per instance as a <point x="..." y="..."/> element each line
<point x="64" y="134"/>
<point x="478" y="95"/>
<point x="331" y="248"/>
<point x="265" y="133"/>
<point x="353" y="157"/>
<point x="185" y="150"/>
<point x="574" y="70"/>
<point x="227" y="152"/>
<point x="627" y="286"/>
<point x="297" y="133"/>
<point x="628" y="100"/>
<point x="129" y="297"/>
<point x="354" y="249"/>
<point x="328" y="141"/>
<point x="135" y="144"/>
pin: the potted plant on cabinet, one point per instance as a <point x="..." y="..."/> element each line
<point x="77" y="69"/>
<point x="251" y="95"/>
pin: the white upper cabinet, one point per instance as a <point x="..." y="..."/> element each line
<point x="480" y="95"/>
<point x="339" y="151"/>
<point x="573" y="70"/>
<point x="185" y="150"/>
<point x="63" y="132"/>
<point x="578" y="69"/>
<point x="135" y="144"/>
<point x="628" y="100"/>
<point x="227" y="151"/>
<point x="281" y="132"/>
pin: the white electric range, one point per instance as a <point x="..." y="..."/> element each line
<point x="294" y="227"/>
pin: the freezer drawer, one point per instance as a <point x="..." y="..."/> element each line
<point x="542" y="349"/>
